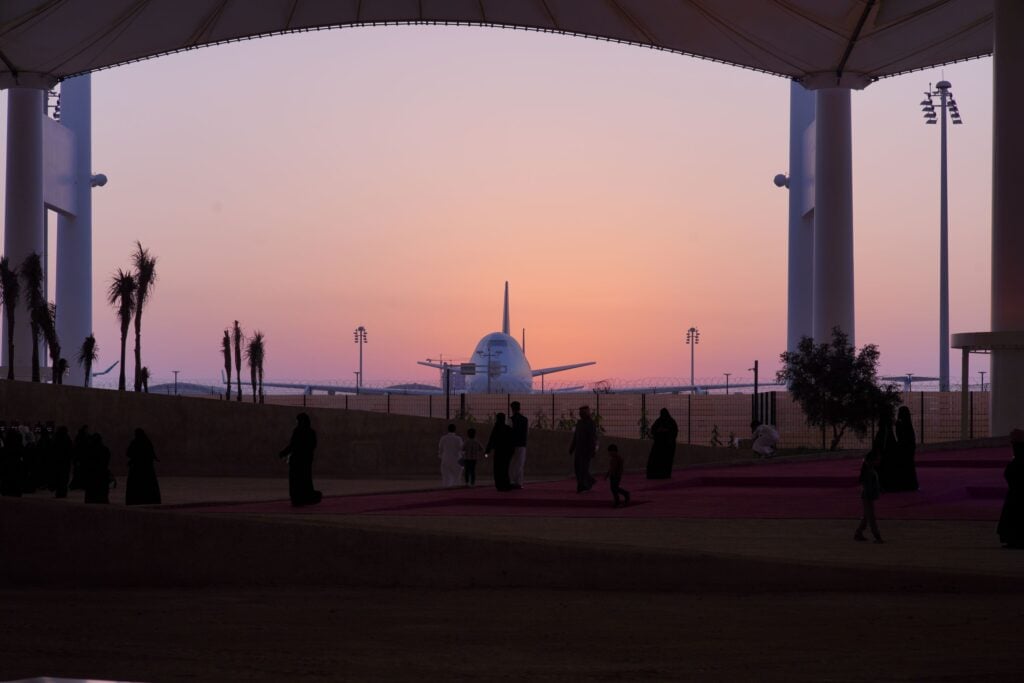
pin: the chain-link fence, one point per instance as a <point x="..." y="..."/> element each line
<point x="703" y="419"/>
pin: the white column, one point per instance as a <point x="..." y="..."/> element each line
<point x="833" y="215"/>
<point x="800" y="313"/>
<point x="1007" y="408"/>
<point x="23" y="219"/>
<point x="74" y="234"/>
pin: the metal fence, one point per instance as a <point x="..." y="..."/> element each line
<point x="703" y="419"/>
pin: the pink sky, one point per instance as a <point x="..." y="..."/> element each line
<point x="396" y="177"/>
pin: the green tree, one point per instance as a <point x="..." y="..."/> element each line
<point x="87" y="355"/>
<point x="121" y="295"/>
<point x="31" y="272"/>
<point x="254" y="355"/>
<point x="10" y="292"/>
<point x="225" y="347"/>
<point x="145" y="278"/>
<point x="836" y="385"/>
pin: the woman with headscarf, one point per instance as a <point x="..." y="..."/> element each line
<point x="1011" y="521"/>
<point x="906" y="445"/>
<point x="62" y="453"/>
<point x="142" y="487"/>
<point x="299" y="453"/>
<point x="884" y="445"/>
<point x="664" y="432"/>
<point x="96" y="480"/>
<point x="502" y="442"/>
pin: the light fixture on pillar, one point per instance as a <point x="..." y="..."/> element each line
<point x="51" y="102"/>
<point x="947" y="104"/>
<point x="692" y="339"/>
<point x="359" y="337"/>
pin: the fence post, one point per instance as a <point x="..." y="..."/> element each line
<point x="922" y="416"/>
<point x="303" y="399"/>
<point x="552" y="411"/>
<point x="508" y="404"/>
<point x="430" y="406"/>
<point x="689" y="425"/>
<point x="597" y="408"/>
<point x="462" y="406"/>
<point x="643" y="415"/>
<point x="971" y="430"/>
<point x="346" y="401"/>
<point x="389" y="403"/>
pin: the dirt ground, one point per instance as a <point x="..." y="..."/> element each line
<point x="506" y="635"/>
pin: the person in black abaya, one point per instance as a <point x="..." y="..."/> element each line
<point x="96" y="478"/>
<point x="11" y="464"/>
<point x="884" y="445"/>
<point x="905" y="478"/>
<point x="1011" y="521"/>
<point x="61" y="461"/>
<point x="299" y="453"/>
<point x="79" y="456"/>
<point x="142" y="487"/>
<point x="664" y="432"/>
<point x="502" y="442"/>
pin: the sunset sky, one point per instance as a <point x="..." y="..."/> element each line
<point x="396" y="177"/>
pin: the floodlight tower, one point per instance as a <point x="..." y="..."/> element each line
<point x="692" y="339"/>
<point x="359" y="337"/>
<point x="947" y="103"/>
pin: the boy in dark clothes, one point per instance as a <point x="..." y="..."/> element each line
<point x="870" y="492"/>
<point x="614" y="475"/>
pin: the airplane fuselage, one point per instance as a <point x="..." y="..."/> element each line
<point x="501" y="366"/>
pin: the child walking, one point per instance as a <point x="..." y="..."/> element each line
<point x="471" y="450"/>
<point x="870" y="490"/>
<point x="614" y="476"/>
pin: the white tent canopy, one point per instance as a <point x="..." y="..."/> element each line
<point x="821" y="43"/>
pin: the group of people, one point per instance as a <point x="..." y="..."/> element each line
<point x="888" y="467"/>
<point x="46" y="458"/>
<point x="507" y="442"/>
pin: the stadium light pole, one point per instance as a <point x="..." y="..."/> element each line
<point x="947" y="103"/>
<point x="727" y="383"/>
<point x="359" y="336"/>
<point x="692" y="339"/>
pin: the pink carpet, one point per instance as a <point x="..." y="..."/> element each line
<point x="955" y="485"/>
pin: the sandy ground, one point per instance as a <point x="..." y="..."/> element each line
<point x="507" y="635"/>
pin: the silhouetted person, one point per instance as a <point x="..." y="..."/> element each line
<point x="96" y="479"/>
<point x="471" y="452"/>
<point x="142" y="487"/>
<point x="583" y="448"/>
<point x="11" y="464"/>
<point x="764" y="439"/>
<point x="1011" y="521"/>
<point x="614" y="476"/>
<point x="449" y="452"/>
<point x="884" y="446"/>
<point x="501" y="442"/>
<point x="61" y="454"/>
<point x="905" y="475"/>
<point x="520" y="432"/>
<point x="870" y="491"/>
<point x="299" y="453"/>
<point x="78" y="457"/>
<point x="664" y="433"/>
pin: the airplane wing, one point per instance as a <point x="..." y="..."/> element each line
<point x="560" y="368"/>
<point x="103" y="372"/>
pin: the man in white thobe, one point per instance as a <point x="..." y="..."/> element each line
<point x="449" y="450"/>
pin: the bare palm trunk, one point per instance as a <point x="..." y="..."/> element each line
<point x="88" y="373"/>
<point x="35" y="352"/>
<point x="138" y="348"/>
<point x="261" y="382"/>
<point x="227" y="395"/>
<point x="252" y="372"/>
<point x="124" y="344"/>
<point x="10" y="344"/>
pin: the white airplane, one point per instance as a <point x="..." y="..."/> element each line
<point x="499" y="364"/>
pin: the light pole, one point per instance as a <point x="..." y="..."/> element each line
<point x="175" y="381"/>
<point x="692" y="339"/>
<point x="946" y="103"/>
<point x="359" y="336"/>
<point x="727" y="383"/>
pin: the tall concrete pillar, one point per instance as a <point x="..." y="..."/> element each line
<point x="23" y="215"/>
<point x="74" y="233"/>
<point x="1007" y="407"/>
<point x="833" y="215"/>
<point x="800" y="309"/>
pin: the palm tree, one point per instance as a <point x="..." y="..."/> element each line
<point x="238" y="358"/>
<point x="254" y="354"/>
<point x="45" y="318"/>
<point x="10" y="291"/>
<point x="225" y="346"/>
<point x="87" y="355"/>
<point x="121" y="295"/>
<point x="31" y="272"/>
<point x="145" y="278"/>
<point x="62" y="369"/>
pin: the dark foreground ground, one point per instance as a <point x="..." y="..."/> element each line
<point x="511" y="635"/>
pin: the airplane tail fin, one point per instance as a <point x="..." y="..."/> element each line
<point x="504" y="321"/>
